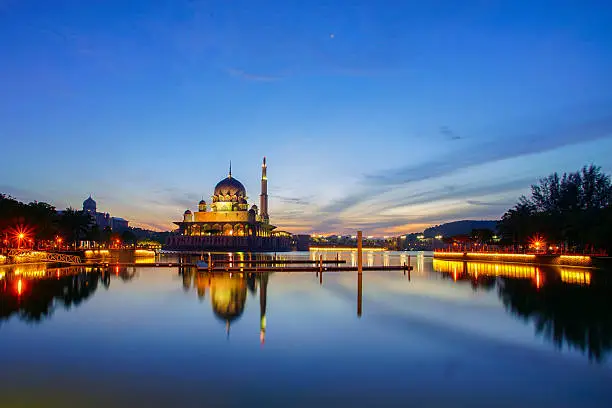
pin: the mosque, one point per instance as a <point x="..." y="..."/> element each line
<point x="227" y="223"/>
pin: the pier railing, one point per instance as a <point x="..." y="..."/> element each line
<point x="27" y="255"/>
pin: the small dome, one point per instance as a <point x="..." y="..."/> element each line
<point x="89" y="204"/>
<point x="187" y="212"/>
<point x="202" y="202"/>
<point x="230" y="187"/>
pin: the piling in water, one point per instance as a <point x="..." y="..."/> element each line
<point x="359" y="252"/>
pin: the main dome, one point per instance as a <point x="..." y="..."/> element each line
<point x="230" y="187"/>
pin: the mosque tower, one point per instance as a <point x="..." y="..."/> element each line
<point x="263" y="198"/>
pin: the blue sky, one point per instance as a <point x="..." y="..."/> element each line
<point x="387" y="116"/>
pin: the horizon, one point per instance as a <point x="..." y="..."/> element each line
<point x="376" y="118"/>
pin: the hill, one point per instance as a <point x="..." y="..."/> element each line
<point x="459" y="228"/>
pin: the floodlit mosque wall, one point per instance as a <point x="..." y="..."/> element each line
<point x="230" y="243"/>
<point x="228" y="223"/>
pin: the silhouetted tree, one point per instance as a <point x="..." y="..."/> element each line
<point x="482" y="235"/>
<point x="572" y="210"/>
<point x="75" y="224"/>
<point x="128" y="237"/>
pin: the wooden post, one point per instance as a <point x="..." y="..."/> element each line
<point x="321" y="269"/>
<point x="408" y="261"/>
<point x="359" y="252"/>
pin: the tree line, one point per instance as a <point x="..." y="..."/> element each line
<point x="40" y="221"/>
<point x="572" y="211"/>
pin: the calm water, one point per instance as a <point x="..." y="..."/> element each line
<point x="447" y="335"/>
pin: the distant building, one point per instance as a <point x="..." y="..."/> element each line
<point x="104" y="220"/>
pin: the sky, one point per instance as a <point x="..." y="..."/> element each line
<point x="385" y="116"/>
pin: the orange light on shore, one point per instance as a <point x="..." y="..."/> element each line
<point x="537" y="242"/>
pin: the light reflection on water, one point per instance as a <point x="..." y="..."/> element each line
<point x="305" y="338"/>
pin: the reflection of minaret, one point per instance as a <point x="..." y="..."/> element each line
<point x="263" y="290"/>
<point x="263" y="198"/>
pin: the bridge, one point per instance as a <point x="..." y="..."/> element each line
<point x="28" y="255"/>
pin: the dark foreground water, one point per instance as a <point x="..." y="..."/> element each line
<point x="450" y="334"/>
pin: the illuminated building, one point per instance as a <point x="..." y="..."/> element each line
<point x="103" y="220"/>
<point x="228" y="222"/>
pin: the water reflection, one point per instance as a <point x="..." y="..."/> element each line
<point x="359" y="294"/>
<point x="33" y="292"/>
<point x="568" y="315"/>
<point x="228" y="293"/>
<point x="571" y="307"/>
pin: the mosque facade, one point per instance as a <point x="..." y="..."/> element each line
<point x="228" y="223"/>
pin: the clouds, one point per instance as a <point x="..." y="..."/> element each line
<point x="402" y="119"/>
<point x="480" y="179"/>
<point x="293" y="200"/>
<point x="499" y="147"/>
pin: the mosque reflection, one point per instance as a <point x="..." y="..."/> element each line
<point x="571" y="307"/>
<point x="228" y="293"/>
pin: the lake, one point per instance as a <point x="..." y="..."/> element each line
<point x="446" y="334"/>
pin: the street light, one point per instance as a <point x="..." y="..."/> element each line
<point x="20" y="238"/>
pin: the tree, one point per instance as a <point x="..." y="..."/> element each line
<point x="482" y="235"/>
<point x="105" y="235"/>
<point x="38" y="219"/>
<point x="571" y="210"/>
<point x="75" y="224"/>
<point x="44" y="218"/>
<point x="128" y="237"/>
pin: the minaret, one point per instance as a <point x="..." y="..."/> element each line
<point x="263" y="198"/>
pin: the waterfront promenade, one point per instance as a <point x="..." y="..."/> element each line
<point x="533" y="259"/>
